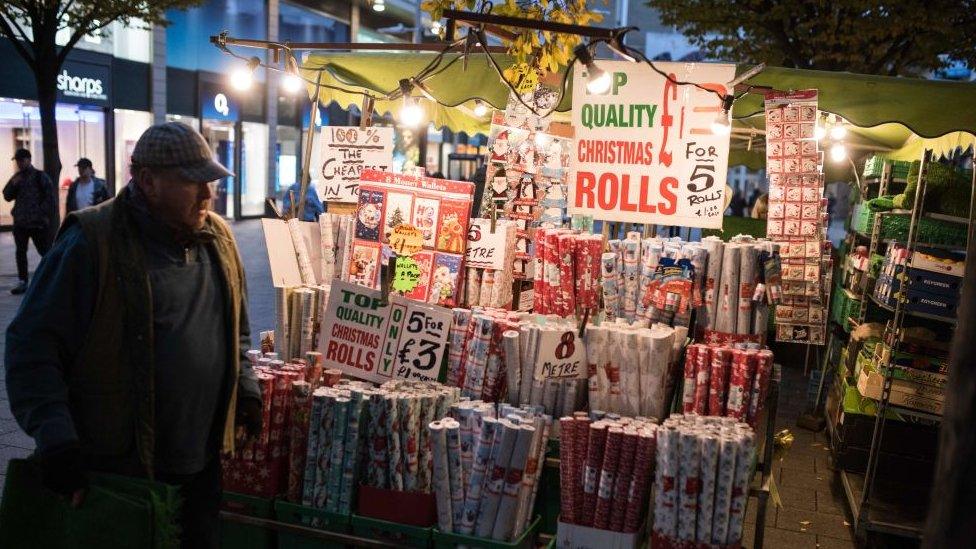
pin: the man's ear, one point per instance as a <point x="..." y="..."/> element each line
<point x="145" y="181"/>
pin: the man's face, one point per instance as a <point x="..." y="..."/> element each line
<point x="176" y="201"/>
<point x="23" y="163"/>
<point x="85" y="171"/>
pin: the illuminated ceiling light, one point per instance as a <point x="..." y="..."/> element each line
<point x="480" y="109"/>
<point x="410" y="114"/>
<point x="243" y="78"/>
<point x="838" y="130"/>
<point x="838" y="152"/>
<point x="379" y="5"/>
<point x="435" y="27"/>
<point x="599" y="80"/>
<point x="722" y="125"/>
<point x="291" y="82"/>
<point x="819" y="132"/>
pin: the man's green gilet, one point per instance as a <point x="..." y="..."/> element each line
<point x="110" y="384"/>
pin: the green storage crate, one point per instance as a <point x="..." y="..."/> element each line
<point x="444" y="540"/>
<point x="401" y="534"/>
<point x="314" y="518"/>
<point x="234" y="535"/>
<point x="547" y="498"/>
<point x="845" y="305"/>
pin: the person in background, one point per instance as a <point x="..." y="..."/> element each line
<point x="128" y="354"/>
<point x="87" y="190"/>
<point x="313" y="205"/>
<point x="35" y="199"/>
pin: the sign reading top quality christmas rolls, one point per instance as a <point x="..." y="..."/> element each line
<point x="645" y="151"/>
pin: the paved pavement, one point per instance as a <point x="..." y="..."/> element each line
<point x="813" y="513"/>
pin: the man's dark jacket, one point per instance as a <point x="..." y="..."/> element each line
<point x="99" y="194"/>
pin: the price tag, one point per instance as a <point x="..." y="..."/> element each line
<point x="419" y="333"/>
<point x="561" y="355"/>
<point x="406" y="240"/>
<point x="407" y="275"/>
<point x="486" y="250"/>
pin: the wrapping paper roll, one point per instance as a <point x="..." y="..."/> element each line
<point x="728" y="297"/>
<point x="301" y="251"/>
<point x="595" y="447"/>
<point x="456" y="341"/>
<point x="567" y="280"/>
<point x="611" y="462"/>
<point x="378" y="473"/>
<point x="530" y="334"/>
<point x="394" y="445"/>
<point x="656" y="347"/>
<point x="477" y="355"/>
<point x="550" y="394"/>
<point x="505" y="519"/>
<point x="689" y="378"/>
<point x="630" y="374"/>
<point x="333" y="487"/>
<point x="313" y="374"/>
<point x="453" y="434"/>
<point x="616" y="340"/>
<point x="301" y="402"/>
<point x="350" y="462"/>
<point x="425" y="458"/>
<point x="312" y="452"/>
<point x="724" y="481"/>
<point x="567" y="397"/>
<point x="501" y="456"/>
<point x="760" y="387"/>
<point x="282" y="317"/>
<point x="479" y="472"/>
<point x="720" y="366"/>
<point x="760" y="321"/>
<point x="706" y="498"/>
<point x="307" y="316"/>
<point x="748" y="274"/>
<point x="702" y="374"/>
<point x="689" y="450"/>
<point x="494" y="368"/>
<point x="331" y="377"/>
<point x="625" y="476"/>
<point x="513" y="366"/>
<point x="598" y="384"/>
<point x="640" y="484"/>
<point x="745" y="448"/>
<point x="533" y="470"/>
<point x="442" y="480"/>
<point x="328" y="256"/>
<point x="666" y="497"/>
<point x="325" y="450"/>
<point x="740" y="383"/>
<point x="568" y="507"/>
<point x="611" y="292"/>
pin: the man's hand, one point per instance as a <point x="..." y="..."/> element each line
<point x="63" y="472"/>
<point x="249" y="415"/>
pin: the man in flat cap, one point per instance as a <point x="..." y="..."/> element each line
<point x="127" y="355"/>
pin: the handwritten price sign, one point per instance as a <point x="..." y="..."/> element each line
<point x="561" y="355"/>
<point x="344" y="153"/>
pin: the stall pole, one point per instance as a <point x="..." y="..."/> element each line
<point x="307" y="153"/>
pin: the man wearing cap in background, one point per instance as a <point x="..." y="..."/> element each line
<point x="87" y="190"/>
<point x="35" y="199"/>
<point x="147" y="379"/>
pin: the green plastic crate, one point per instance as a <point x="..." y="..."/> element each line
<point x="444" y="540"/>
<point x="547" y="503"/>
<point x="314" y="518"/>
<point x="234" y="535"/>
<point x="401" y="534"/>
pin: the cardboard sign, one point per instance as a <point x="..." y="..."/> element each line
<point x="486" y="249"/>
<point x="344" y="153"/>
<point x="561" y="354"/>
<point x="404" y="339"/>
<point x="406" y="240"/>
<point x="406" y="277"/>
<point x="644" y="151"/>
<point x="281" y="251"/>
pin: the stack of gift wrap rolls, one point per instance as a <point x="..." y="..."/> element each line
<point x="486" y="468"/>
<point x="284" y="386"/>
<point x="630" y="366"/>
<point x="567" y="272"/>
<point x="492" y="357"/>
<point x="299" y="313"/>
<point x="361" y="434"/>
<point x="493" y="287"/>
<point x="632" y="272"/>
<point x="703" y="469"/>
<point x="722" y="381"/>
<point x="735" y="290"/>
<point x="336" y="233"/>
<point x="606" y="468"/>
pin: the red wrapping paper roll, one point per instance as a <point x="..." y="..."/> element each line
<point x="718" y="382"/>
<point x="567" y="281"/>
<point x="331" y="376"/>
<point x="580" y="453"/>
<point x="640" y="484"/>
<point x="540" y="292"/>
<point x="624" y="478"/>
<point x="702" y="371"/>
<point x="313" y="374"/>
<point x="740" y="383"/>
<point x="688" y="392"/>
<point x="567" y="443"/>
<point x="594" y="245"/>
<point x="760" y="387"/>
<point x="552" y="268"/>
<point x="300" y="406"/>
<point x="611" y="463"/>
<point x="596" y="443"/>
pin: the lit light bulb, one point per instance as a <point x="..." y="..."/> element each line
<point x="819" y="132"/>
<point x="435" y="27"/>
<point x="291" y="82"/>
<point x="599" y="82"/>
<point x="379" y="5"/>
<point x="241" y="79"/>
<point x="480" y="109"/>
<point x="838" y="130"/>
<point x="721" y="125"/>
<point x="411" y="114"/>
<point x="838" y="152"/>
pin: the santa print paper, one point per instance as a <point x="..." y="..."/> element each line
<point x="364" y="265"/>
<point x="453" y="227"/>
<point x="444" y="279"/>
<point x="369" y="215"/>
<point x="425" y="214"/>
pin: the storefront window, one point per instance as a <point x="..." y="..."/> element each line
<point x="289" y="147"/>
<point x="191" y="121"/>
<point x="221" y="136"/>
<point x="129" y="126"/>
<point x="254" y="168"/>
<point x="187" y="28"/>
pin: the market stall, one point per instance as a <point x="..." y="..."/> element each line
<point x="434" y="378"/>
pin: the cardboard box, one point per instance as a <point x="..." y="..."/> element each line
<point x="931" y="304"/>
<point x="870" y="383"/>
<point x="939" y="261"/>
<point x="934" y="283"/>
<point x="871" y="388"/>
<point x="574" y="536"/>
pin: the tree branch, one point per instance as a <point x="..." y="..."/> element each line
<point x="82" y="30"/>
<point x="21" y="50"/>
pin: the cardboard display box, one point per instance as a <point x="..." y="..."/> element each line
<point x="574" y="536"/>
<point x="870" y="386"/>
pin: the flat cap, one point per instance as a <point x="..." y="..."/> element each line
<point x="178" y="146"/>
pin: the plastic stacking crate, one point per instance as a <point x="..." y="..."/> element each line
<point x="447" y="540"/>
<point x="401" y="534"/>
<point x="291" y="513"/>
<point x="234" y="535"/>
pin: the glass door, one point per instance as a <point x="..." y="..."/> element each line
<point x="220" y="136"/>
